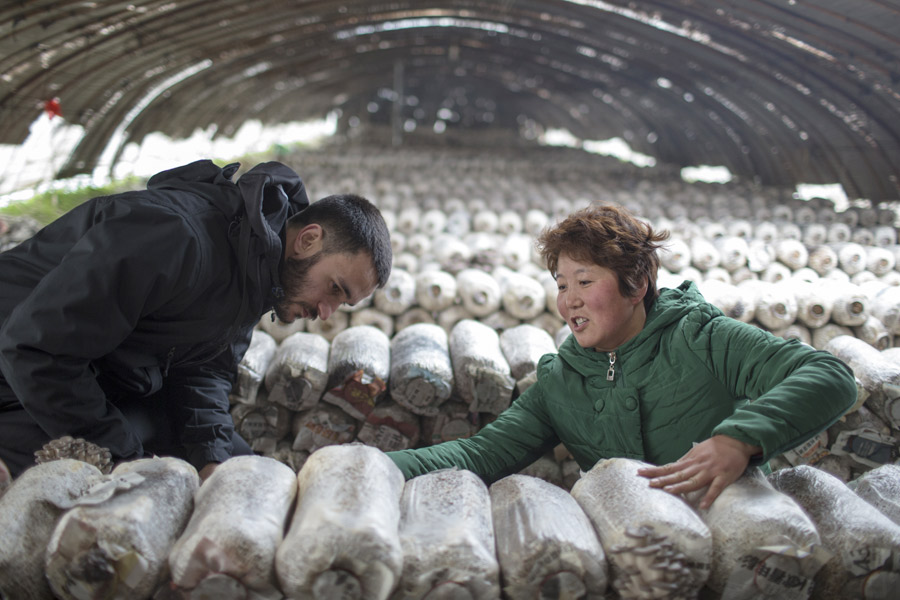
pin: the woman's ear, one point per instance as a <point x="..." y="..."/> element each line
<point x="307" y="241"/>
<point x="641" y="291"/>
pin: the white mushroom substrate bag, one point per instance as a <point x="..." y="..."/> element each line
<point x="29" y="512"/>
<point x="298" y="373"/>
<point x="655" y="543"/>
<point x="343" y="539"/>
<point x="763" y="541"/>
<point x="239" y="518"/>
<point x="115" y="542"/>
<point x="546" y="545"/>
<point x="864" y="543"/>
<point x="447" y="537"/>
<point x="421" y="376"/>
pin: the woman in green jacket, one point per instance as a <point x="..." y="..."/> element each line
<point x="659" y="376"/>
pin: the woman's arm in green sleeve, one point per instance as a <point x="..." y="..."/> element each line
<point x="795" y="391"/>
<point x="519" y="436"/>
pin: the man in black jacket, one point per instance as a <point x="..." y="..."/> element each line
<point x="124" y="320"/>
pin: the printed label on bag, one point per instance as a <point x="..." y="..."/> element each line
<point x="782" y="572"/>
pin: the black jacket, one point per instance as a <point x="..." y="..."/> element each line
<point x="143" y="291"/>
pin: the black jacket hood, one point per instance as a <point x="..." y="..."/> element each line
<point x="257" y="208"/>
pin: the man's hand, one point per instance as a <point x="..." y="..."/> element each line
<point x="716" y="462"/>
<point x="207" y="470"/>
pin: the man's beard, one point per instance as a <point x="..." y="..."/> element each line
<point x="294" y="274"/>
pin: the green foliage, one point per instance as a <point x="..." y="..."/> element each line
<point x="47" y="206"/>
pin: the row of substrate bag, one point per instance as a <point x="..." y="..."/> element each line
<point x="800" y="304"/>
<point x="496" y="278"/>
<point x="501" y="299"/>
<point x="556" y="182"/>
<point x="736" y="249"/>
<point x="348" y="526"/>
<point x="417" y="229"/>
<point x="424" y="386"/>
<point x="419" y="387"/>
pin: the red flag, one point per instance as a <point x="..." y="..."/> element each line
<point x="52" y="108"/>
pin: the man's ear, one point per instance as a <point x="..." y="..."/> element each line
<point x="307" y="241"/>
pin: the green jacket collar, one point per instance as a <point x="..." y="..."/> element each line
<point x="672" y="305"/>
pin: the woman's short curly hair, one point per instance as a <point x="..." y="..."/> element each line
<point x="612" y="237"/>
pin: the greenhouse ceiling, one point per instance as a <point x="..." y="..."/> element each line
<point x="778" y="91"/>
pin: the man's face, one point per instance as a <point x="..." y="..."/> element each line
<point x="315" y="286"/>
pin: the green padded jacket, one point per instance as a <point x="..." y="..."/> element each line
<point x="690" y="373"/>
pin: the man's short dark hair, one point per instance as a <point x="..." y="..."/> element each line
<point x="351" y="224"/>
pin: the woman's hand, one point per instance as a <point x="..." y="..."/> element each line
<point x="716" y="462"/>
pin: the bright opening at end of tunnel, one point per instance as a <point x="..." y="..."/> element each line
<point x="619" y="148"/>
<point x="616" y="147"/>
<point x="830" y="191"/>
<point x="706" y="174"/>
<point x="27" y="169"/>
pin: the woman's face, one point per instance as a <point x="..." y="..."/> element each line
<point x="589" y="300"/>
